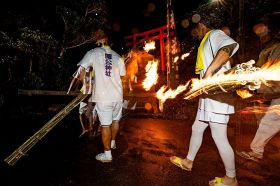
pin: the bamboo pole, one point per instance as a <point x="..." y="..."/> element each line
<point x="63" y="93"/>
<point x="46" y="93"/>
<point x="28" y="144"/>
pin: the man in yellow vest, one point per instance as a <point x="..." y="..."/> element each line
<point x="213" y="58"/>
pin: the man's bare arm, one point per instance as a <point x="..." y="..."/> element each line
<point x="221" y="58"/>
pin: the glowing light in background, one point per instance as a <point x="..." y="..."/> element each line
<point x="151" y="7"/>
<point x="176" y="59"/>
<point x="148" y="106"/>
<point x="260" y="29"/>
<point x="185" y="23"/>
<point x="222" y="2"/>
<point x="185" y="55"/>
<point x="196" y="18"/>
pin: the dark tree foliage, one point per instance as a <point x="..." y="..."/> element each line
<point x="81" y="19"/>
<point x="34" y="36"/>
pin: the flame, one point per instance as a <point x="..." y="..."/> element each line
<point x="243" y="74"/>
<point x="163" y="95"/>
<point x="151" y="74"/>
<point x="249" y="76"/>
<point x="149" y="46"/>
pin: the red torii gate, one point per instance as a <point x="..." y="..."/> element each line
<point x="151" y="35"/>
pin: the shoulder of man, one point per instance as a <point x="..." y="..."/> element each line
<point x="115" y="54"/>
<point x="275" y="52"/>
<point x="218" y="34"/>
<point x="97" y="50"/>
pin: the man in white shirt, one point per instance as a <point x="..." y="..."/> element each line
<point x="87" y="114"/>
<point x="215" y="50"/>
<point x="107" y="92"/>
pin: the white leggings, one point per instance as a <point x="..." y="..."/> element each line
<point x="219" y="134"/>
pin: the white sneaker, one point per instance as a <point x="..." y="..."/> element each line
<point x="103" y="158"/>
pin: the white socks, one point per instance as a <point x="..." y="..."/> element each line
<point x="113" y="143"/>
<point x="108" y="153"/>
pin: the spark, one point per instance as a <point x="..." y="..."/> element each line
<point x="185" y="55"/>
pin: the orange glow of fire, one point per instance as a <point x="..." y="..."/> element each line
<point x="262" y="110"/>
<point x="244" y="93"/>
<point x="151" y="74"/>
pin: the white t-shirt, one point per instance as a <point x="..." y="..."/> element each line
<point x="216" y="40"/>
<point x="107" y="66"/>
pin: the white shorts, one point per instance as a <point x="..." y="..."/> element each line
<point x="108" y="112"/>
<point x="82" y="108"/>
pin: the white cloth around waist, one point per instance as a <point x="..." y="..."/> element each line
<point x="212" y="117"/>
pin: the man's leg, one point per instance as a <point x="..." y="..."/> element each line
<point x="83" y="122"/>
<point x="104" y="111"/>
<point x="268" y="127"/>
<point x="83" y="117"/>
<point x="117" y="114"/>
<point x="106" y="156"/>
<point x="114" y="131"/>
<point x="262" y="137"/>
<point x="219" y="134"/>
<point x="106" y="137"/>
<point x="198" y="129"/>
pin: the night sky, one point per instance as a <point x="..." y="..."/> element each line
<point x="125" y="17"/>
<point x="146" y="14"/>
